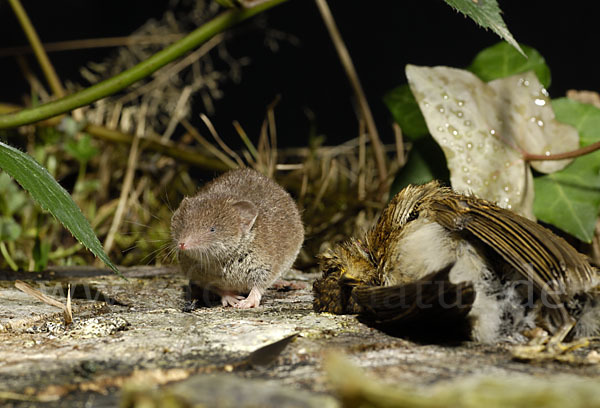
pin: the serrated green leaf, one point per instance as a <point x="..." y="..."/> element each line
<point x="486" y="13"/>
<point x="51" y="197"/>
<point x="570" y="199"/>
<point x="502" y="60"/>
<point x="403" y="106"/>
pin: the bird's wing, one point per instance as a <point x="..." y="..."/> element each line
<point x="536" y="253"/>
<point x="433" y="295"/>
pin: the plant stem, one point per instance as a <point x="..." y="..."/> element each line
<point x="7" y="257"/>
<point x="38" y="48"/>
<point x="64" y="252"/>
<point x="348" y="65"/>
<point x="561" y="156"/>
<point x="110" y="86"/>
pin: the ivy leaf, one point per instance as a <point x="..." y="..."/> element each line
<point x="502" y="60"/>
<point x="403" y="106"/>
<point x="569" y="207"/>
<point x="486" y="13"/>
<point x="570" y="199"/>
<point x="51" y="197"/>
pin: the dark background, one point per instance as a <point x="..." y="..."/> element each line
<point x="382" y="36"/>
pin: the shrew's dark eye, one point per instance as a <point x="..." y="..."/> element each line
<point x="212" y="229"/>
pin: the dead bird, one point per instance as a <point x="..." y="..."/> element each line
<point x="437" y="252"/>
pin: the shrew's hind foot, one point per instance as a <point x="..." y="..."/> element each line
<point x="251" y="301"/>
<point x="230" y="298"/>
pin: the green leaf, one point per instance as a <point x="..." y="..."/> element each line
<point x="51" y="197"/>
<point x="570" y="198"/>
<point x="401" y="102"/>
<point x="569" y="207"/>
<point x="585" y="118"/>
<point x="9" y="229"/>
<point x="81" y="149"/>
<point x="502" y="60"/>
<point x="486" y="13"/>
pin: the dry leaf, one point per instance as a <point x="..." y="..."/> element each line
<point x="484" y="128"/>
<point x="527" y="118"/>
<point x="459" y="110"/>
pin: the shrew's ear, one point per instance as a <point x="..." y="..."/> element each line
<point x="248" y="214"/>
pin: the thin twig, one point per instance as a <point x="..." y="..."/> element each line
<point x="399" y="145"/>
<point x="561" y="156"/>
<point x="89" y="43"/>
<point x="346" y="61"/>
<point x="38" y="49"/>
<point x="362" y="160"/>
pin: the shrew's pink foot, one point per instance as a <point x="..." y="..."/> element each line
<point x="230" y="298"/>
<point x="252" y="300"/>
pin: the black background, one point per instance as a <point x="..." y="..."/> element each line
<point x="382" y="36"/>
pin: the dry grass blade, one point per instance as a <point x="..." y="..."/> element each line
<point x="42" y="297"/>
<point x="88" y="43"/>
<point x="399" y="145"/>
<point x="220" y="141"/>
<point x="69" y="309"/>
<point x="207" y="145"/>
<point x="362" y="158"/>
<point x="127" y="182"/>
<point x="178" y="113"/>
<point x="348" y="65"/>
<point x="246" y="140"/>
<point x="13" y="396"/>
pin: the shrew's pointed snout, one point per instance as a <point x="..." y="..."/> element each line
<point x="182" y="246"/>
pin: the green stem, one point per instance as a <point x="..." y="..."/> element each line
<point x="64" y="252"/>
<point x="7" y="257"/>
<point x="38" y="48"/>
<point x="110" y="86"/>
